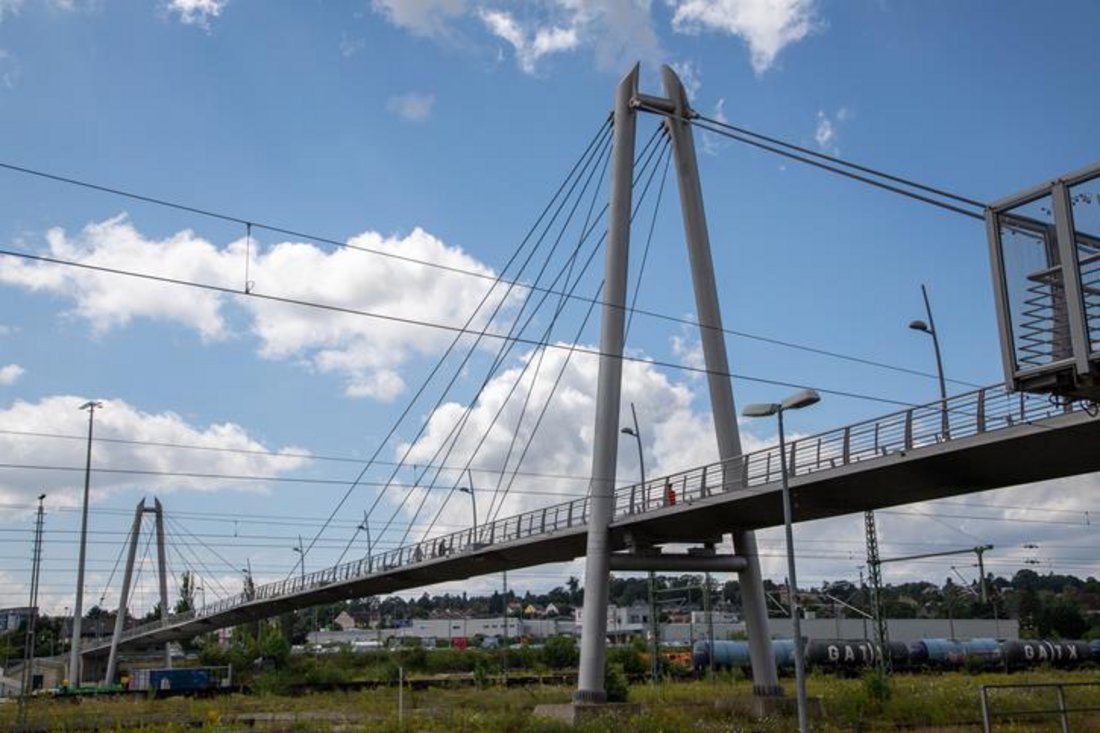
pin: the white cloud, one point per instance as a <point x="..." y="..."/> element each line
<point x="825" y="134"/>
<point x="351" y="46"/>
<point x="11" y="373"/>
<point x="767" y="26"/>
<point x="197" y="12"/>
<point x="9" y="70"/>
<point x="828" y="130"/>
<point x="563" y="445"/>
<point x="690" y="77"/>
<point x="421" y="17"/>
<point x="10" y="7"/>
<point x="368" y="353"/>
<point x="413" y="106"/>
<point x="59" y="415"/>
<point x="712" y="142"/>
<point x="529" y="46"/>
<point x="617" y="31"/>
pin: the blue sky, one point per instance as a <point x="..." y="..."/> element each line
<point x="438" y="129"/>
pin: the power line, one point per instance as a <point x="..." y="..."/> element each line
<point x="461" y="331"/>
<point x="473" y="273"/>
<point x="246" y="477"/>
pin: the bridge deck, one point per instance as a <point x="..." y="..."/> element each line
<point x="994" y="439"/>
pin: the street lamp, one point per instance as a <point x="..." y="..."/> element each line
<point x="74" y="648"/>
<point x="473" y="500"/>
<point x="797" y="401"/>
<point x="365" y="527"/>
<point x="653" y="630"/>
<point x="930" y="329"/>
<point x="301" y="552"/>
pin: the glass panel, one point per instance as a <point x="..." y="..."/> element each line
<point x="1084" y="200"/>
<point x="1034" y="285"/>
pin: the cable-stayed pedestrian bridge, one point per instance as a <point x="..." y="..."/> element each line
<point x="991" y="438"/>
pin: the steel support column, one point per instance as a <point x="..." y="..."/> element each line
<point x="120" y="619"/>
<point x="590" y="681"/>
<point x="162" y="568"/>
<point x="765" y="679"/>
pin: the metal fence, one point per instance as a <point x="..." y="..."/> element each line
<point x="982" y="411"/>
<point x="1062" y="710"/>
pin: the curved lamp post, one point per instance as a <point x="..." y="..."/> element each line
<point x="797" y="401"/>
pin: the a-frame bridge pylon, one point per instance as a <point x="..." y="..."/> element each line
<point x="628" y="99"/>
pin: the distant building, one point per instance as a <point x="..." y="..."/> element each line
<point x="12" y="618"/>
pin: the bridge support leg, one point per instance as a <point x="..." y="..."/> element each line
<point x="120" y="619"/>
<point x="162" y="567"/>
<point x="590" y="681"/>
<point x="765" y="679"/>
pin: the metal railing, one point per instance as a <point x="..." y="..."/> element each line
<point x="982" y="411"/>
<point x="1062" y="710"/>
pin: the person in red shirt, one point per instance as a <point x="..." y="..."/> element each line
<point x="670" y="494"/>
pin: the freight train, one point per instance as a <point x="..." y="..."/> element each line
<point x="842" y="656"/>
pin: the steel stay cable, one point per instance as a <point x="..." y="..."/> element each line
<point x="448" y="444"/>
<point x="179" y="541"/>
<point x="220" y="591"/>
<point x="499" y="502"/>
<point x="839" y="172"/>
<point x="458" y="335"/>
<point x="180" y="526"/>
<point x="841" y="161"/>
<point x="526" y="366"/>
<point x="118" y="559"/>
<point x="469" y="353"/>
<point x="563" y="300"/>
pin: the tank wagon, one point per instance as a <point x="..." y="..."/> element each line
<point x="852" y="656"/>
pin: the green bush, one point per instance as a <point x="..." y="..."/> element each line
<point x="615" y="683"/>
<point x="560" y="652"/>
<point x="631" y="661"/>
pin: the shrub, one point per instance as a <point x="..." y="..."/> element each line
<point x="560" y="652"/>
<point x="615" y="683"/>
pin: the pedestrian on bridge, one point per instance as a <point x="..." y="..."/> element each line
<point x="670" y="494"/>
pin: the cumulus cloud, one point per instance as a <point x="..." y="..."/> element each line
<point x="197" y="12"/>
<point x="529" y="46"/>
<point x="368" y="352"/>
<point x="10" y="374"/>
<point x="59" y="415"/>
<point x="617" y="31"/>
<point x="766" y="26"/>
<point x="413" y="106"/>
<point x="675" y="435"/>
<point x="421" y="17"/>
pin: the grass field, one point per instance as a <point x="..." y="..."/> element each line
<point x="947" y="702"/>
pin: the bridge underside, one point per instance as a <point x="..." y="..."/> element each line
<point x="1058" y="447"/>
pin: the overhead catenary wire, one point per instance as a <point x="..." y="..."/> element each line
<point x="159" y="201"/>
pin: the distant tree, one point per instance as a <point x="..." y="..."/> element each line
<point x="186" y="600"/>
